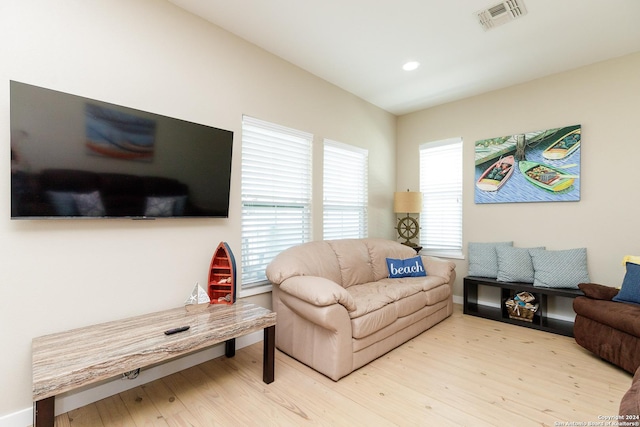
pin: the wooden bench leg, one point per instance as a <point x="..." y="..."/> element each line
<point x="44" y="412"/>
<point x="268" y="359"/>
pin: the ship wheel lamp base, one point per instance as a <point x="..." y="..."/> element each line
<point x="408" y="202"/>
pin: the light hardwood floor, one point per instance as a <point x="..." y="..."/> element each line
<point x="464" y="371"/>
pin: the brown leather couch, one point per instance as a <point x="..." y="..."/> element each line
<point x="611" y="330"/>
<point x="608" y="328"/>
<point x="338" y="310"/>
<point x="630" y="404"/>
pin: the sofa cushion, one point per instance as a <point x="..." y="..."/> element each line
<point x="483" y="258"/>
<point x="630" y="291"/>
<point x="354" y="261"/>
<point x="308" y="259"/>
<point x="380" y="249"/>
<point x="623" y="317"/>
<point x="372" y="296"/>
<point x="379" y="303"/>
<point x="411" y="304"/>
<point x="373" y="321"/>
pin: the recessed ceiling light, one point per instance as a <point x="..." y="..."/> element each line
<point x="411" y="65"/>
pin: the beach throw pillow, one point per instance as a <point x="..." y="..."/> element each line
<point x="410" y="267"/>
<point x="630" y="291"/>
<point x="483" y="258"/>
<point x="514" y="264"/>
<point x="559" y="269"/>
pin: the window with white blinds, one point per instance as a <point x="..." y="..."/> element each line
<point x="345" y="194"/>
<point x="441" y="187"/>
<point x="276" y="194"/>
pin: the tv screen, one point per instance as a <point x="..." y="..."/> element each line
<point x="75" y="157"/>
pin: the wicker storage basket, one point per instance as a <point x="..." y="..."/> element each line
<point x="522" y="307"/>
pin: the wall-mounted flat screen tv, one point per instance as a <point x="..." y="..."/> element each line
<point x="75" y="157"/>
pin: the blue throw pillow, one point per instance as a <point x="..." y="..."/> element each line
<point x="630" y="291"/>
<point x="410" y="267"/>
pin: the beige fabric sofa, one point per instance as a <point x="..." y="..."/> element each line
<point x="338" y="310"/>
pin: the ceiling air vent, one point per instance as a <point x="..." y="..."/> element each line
<point x="501" y="13"/>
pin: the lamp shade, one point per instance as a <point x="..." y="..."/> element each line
<point x="407" y="202"/>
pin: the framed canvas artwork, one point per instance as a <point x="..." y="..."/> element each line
<point x="540" y="166"/>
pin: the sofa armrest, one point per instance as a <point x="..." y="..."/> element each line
<point x="318" y="291"/>
<point x="439" y="267"/>
<point x="596" y="291"/>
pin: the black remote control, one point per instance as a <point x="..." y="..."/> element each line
<point x="176" y="330"/>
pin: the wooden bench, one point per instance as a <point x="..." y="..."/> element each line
<point x="79" y="357"/>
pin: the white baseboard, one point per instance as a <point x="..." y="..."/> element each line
<point x="86" y="395"/>
<point x="21" y="418"/>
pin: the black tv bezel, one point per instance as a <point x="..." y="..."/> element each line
<point x="219" y="213"/>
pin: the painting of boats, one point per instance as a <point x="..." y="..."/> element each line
<point x="496" y="175"/>
<point x="563" y="146"/>
<point x="535" y="166"/>
<point x="545" y="176"/>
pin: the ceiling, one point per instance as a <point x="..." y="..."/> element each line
<point x="360" y="45"/>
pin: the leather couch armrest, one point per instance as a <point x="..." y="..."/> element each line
<point x="439" y="267"/>
<point x="318" y="291"/>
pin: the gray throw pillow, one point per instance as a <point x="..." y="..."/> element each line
<point x="89" y="204"/>
<point x="559" y="269"/>
<point x="514" y="264"/>
<point x="160" y="206"/>
<point x="483" y="258"/>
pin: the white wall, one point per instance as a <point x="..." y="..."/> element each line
<point x="152" y="56"/>
<point x="603" y="98"/>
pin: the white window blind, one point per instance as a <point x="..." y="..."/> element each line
<point x="276" y="194"/>
<point x="441" y="187"/>
<point x="345" y="193"/>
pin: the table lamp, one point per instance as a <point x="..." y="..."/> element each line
<point x="409" y="202"/>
